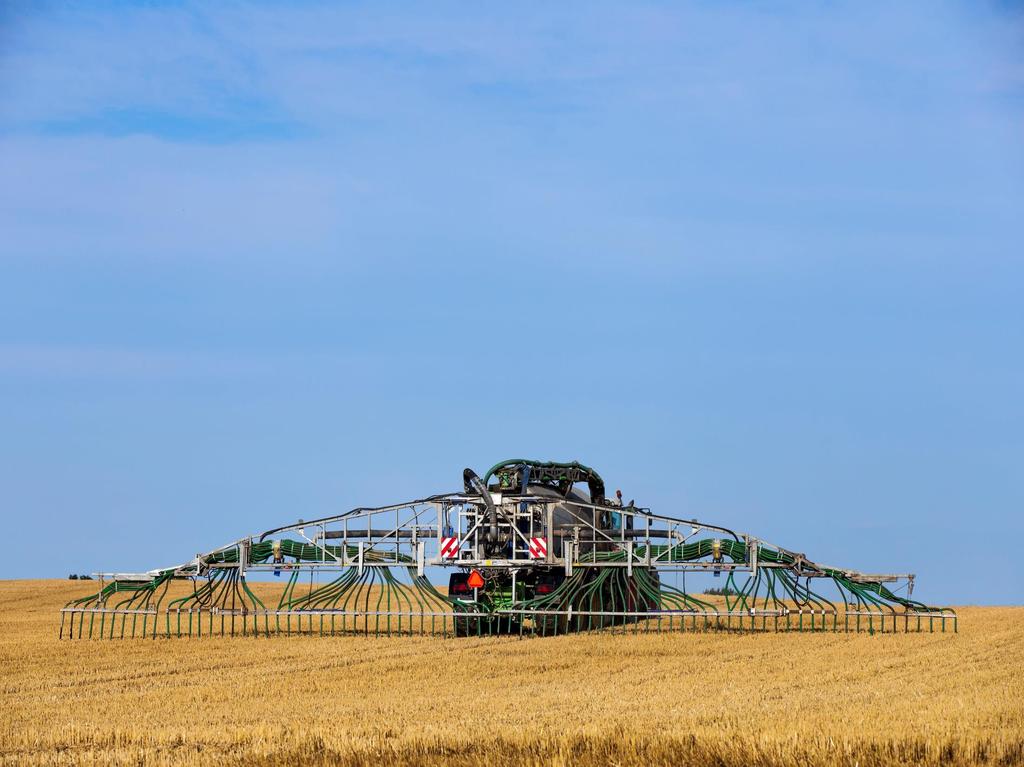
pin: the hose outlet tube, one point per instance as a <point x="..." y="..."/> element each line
<point x="474" y="484"/>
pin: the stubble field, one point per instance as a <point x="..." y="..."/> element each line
<point x="703" y="698"/>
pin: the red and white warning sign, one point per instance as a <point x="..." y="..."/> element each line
<point x="449" y="547"/>
<point x="538" y="548"/>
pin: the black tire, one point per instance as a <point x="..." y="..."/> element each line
<point x="471" y="626"/>
<point x="639" y="601"/>
<point x="550" y="625"/>
<point x="467" y="626"/>
<point x="651" y="603"/>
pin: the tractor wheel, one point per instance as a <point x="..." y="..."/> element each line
<point x="468" y="626"/>
<point x="550" y="625"/>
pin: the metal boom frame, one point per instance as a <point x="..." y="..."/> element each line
<point x="610" y="577"/>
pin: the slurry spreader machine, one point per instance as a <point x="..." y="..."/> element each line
<point x="532" y="548"/>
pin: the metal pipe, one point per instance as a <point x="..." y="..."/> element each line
<point x="374" y="532"/>
<point x="473" y="483"/>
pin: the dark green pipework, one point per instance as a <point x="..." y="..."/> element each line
<point x="373" y="601"/>
<point x="541" y="464"/>
<point x="765" y="601"/>
<point x="564" y="473"/>
<point x="736" y="551"/>
<point x="223" y="603"/>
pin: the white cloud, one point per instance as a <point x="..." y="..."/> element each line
<point x="136" y="132"/>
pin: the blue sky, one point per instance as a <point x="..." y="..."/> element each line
<point x="758" y="265"/>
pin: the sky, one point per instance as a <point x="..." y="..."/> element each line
<point x="759" y="264"/>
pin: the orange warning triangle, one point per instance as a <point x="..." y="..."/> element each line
<point x="475" y="581"/>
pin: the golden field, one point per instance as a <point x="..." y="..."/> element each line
<point x="702" y="698"/>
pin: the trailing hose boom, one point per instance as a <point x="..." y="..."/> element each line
<point x="533" y="547"/>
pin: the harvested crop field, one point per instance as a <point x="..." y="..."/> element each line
<point x="708" y="697"/>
